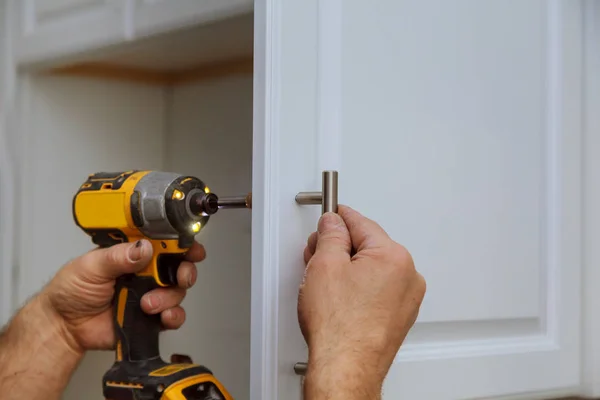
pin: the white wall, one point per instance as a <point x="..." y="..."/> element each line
<point x="210" y="136"/>
<point x="75" y="127"/>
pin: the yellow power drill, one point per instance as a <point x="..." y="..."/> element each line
<point x="167" y="209"/>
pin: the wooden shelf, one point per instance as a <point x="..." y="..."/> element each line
<point x="110" y="71"/>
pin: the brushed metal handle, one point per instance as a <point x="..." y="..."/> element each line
<point x="300" y="368"/>
<point x="327" y="197"/>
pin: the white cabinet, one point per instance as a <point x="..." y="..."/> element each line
<point x="154" y="16"/>
<point x="45" y="29"/>
<point x="456" y="125"/>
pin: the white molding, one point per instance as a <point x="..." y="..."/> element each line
<point x="566" y="284"/>
<point x="27" y="14"/>
<point x="6" y="224"/>
<point x="552" y="334"/>
<point x="129" y="8"/>
<point x="591" y="202"/>
<point x="7" y="171"/>
<point x="265" y="203"/>
<point x="329" y="144"/>
<point x="546" y="395"/>
<point x="329" y="138"/>
<point x="475" y="348"/>
<point x="22" y="128"/>
<point x="552" y="169"/>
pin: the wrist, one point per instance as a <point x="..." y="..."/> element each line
<point x="334" y="374"/>
<point x="58" y="332"/>
<point x="36" y="355"/>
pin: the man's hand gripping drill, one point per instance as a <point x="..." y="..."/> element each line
<point x="161" y="213"/>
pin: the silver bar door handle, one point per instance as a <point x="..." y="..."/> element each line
<point x="328" y="199"/>
<point x="300" y="368"/>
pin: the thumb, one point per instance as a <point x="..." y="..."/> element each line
<point x="112" y="262"/>
<point x="333" y="235"/>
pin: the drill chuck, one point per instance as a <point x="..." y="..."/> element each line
<point x="204" y="203"/>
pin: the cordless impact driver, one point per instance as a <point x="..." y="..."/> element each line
<point x="167" y="209"/>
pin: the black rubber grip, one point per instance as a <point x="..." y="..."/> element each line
<point x="139" y="331"/>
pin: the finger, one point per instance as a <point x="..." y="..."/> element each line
<point x="161" y="299"/>
<point x="307" y="254"/>
<point x="333" y="236"/>
<point x="186" y="275"/>
<point x="111" y="262"/>
<point x="173" y="318"/>
<point x="196" y="253"/>
<point x="311" y="246"/>
<point x="364" y="232"/>
<point x="312" y="242"/>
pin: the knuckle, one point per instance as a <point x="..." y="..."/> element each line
<point x="175" y="296"/>
<point x="186" y="269"/>
<point x="182" y="294"/>
<point x="307" y="254"/>
<point x="401" y="257"/>
<point x="323" y="260"/>
<point x="85" y="261"/>
<point x="179" y="315"/>
<point x="115" y="256"/>
<point x="420" y="287"/>
<point x="336" y="237"/>
<point x="354" y="225"/>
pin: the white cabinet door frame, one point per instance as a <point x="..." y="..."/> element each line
<point x="284" y="115"/>
<point x="267" y="52"/>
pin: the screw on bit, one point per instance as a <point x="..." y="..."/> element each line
<point x="236" y="201"/>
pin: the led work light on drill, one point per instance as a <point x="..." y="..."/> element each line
<point x="168" y="210"/>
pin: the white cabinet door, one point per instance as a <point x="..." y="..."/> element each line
<point x="45" y="29"/>
<point x="155" y="16"/>
<point x="456" y="125"/>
